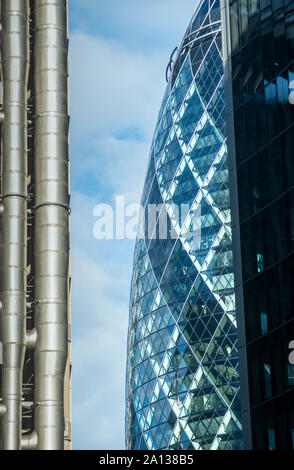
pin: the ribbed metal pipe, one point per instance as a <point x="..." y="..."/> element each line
<point x="51" y="220"/>
<point x="15" y="64"/>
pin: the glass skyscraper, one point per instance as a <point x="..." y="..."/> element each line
<point x="182" y="371"/>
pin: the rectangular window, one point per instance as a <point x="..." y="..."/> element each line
<point x="234" y="26"/>
<point x="253" y="7"/>
<point x="263" y="323"/>
<point x="244" y="17"/>
<point x="259" y="258"/>
<point x="256" y="197"/>
<point x="290" y="375"/>
<point x="271" y="439"/>
<point x="267" y="380"/>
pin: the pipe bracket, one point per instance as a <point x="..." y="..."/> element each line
<point x="58" y="204"/>
<point x="22" y="196"/>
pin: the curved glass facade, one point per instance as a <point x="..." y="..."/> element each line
<point x="182" y="370"/>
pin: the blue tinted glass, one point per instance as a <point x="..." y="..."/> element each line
<point x="264" y="325"/>
<point x="271" y="439"/>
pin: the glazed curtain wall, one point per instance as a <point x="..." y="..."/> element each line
<point x="182" y="385"/>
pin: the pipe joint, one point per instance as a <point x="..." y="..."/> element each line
<point x="2" y="409"/>
<point x="31" y="339"/>
<point x="29" y="441"/>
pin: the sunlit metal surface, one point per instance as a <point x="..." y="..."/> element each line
<point x="15" y="64"/>
<point x="34" y="215"/>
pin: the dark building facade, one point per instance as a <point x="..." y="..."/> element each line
<point x="259" y="73"/>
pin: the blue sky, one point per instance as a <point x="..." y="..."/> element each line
<point x="119" y="50"/>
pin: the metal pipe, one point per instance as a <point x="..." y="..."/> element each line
<point x="15" y="65"/>
<point x="51" y="219"/>
<point x="29" y="441"/>
<point x="31" y="339"/>
<point x="2" y="410"/>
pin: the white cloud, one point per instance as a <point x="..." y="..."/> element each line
<point x="100" y="292"/>
<point x="113" y="89"/>
<point x="124" y="165"/>
<point x="99" y="354"/>
<point x="115" y="98"/>
<point x="141" y="24"/>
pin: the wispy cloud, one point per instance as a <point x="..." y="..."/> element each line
<point x="138" y="24"/>
<point x="115" y="95"/>
<point x="99" y="376"/>
<point x="112" y="86"/>
<point x="100" y="291"/>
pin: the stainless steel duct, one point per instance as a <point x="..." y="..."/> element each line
<point x="51" y="219"/>
<point x="2" y="410"/>
<point x="15" y="65"/>
<point x="30" y="442"/>
<point x="34" y="30"/>
<point x="31" y="339"/>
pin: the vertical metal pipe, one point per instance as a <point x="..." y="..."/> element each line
<point x="15" y="64"/>
<point x="30" y="442"/>
<point x="51" y="219"/>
